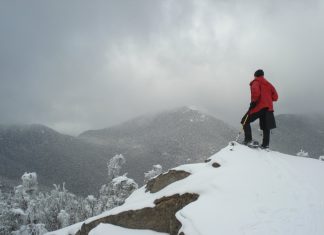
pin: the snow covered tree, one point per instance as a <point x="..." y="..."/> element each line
<point x="157" y="170"/>
<point x="13" y="219"/>
<point x="115" y="193"/>
<point x="26" y="211"/>
<point x="3" y="205"/>
<point x="31" y="229"/>
<point x="89" y="206"/>
<point x="302" y="153"/>
<point x="118" y="188"/>
<point x="30" y="183"/>
<point x="59" y="199"/>
<point x="63" y="218"/>
<point x="29" y="212"/>
<point x="9" y="220"/>
<point x="104" y="194"/>
<point x="114" y="166"/>
<point x="20" y="198"/>
<point x="321" y="157"/>
<point x="121" y="188"/>
<point x="22" y="212"/>
<point x="25" y="193"/>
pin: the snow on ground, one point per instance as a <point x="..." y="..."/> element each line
<point x="258" y="192"/>
<point x="70" y="230"/>
<point x="104" y="229"/>
<point x="253" y="192"/>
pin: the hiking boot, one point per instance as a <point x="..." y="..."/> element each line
<point x="251" y="143"/>
<point x="266" y="147"/>
<point x="246" y="142"/>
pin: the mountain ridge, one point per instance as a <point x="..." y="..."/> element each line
<point x="169" y="138"/>
<point x="56" y="157"/>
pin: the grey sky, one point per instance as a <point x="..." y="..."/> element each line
<point x="78" y="65"/>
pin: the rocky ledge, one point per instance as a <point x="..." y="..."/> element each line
<point x="160" y="218"/>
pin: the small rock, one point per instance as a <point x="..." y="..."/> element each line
<point x="216" y="164"/>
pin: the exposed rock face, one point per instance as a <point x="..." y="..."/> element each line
<point x="160" y="218"/>
<point x="160" y="182"/>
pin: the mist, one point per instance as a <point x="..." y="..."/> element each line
<point x="82" y="65"/>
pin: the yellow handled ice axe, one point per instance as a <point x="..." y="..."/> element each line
<point x="242" y="129"/>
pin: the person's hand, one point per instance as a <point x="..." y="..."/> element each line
<point x="252" y="105"/>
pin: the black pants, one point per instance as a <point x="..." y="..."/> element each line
<point x="247" y="127"/>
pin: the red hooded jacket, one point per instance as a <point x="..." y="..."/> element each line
<point x="263" y="93"/>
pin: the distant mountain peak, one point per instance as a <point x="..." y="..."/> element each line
<point x="185" y="109"/>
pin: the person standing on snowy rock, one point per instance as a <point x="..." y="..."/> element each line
<point x="263" y="94"/>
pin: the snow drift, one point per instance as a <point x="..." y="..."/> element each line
<point x="252" y="192"/>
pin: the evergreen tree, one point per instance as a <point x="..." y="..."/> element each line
<point x="7" y="217"/>
<point x="114" y="166"/>
<point x="157" y="170"/>
<point x="302" y="153"/>
<point x="118" y="188"/>
<point x="29" y="212"/>
<point x="63" y="218"/>
<point x="121" y="189"/>
<point x="57" y="200"/>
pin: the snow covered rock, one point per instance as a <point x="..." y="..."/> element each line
<point x="160" y="182"/>
<point x="252" y="192"/>
<point x="161" y="218"/>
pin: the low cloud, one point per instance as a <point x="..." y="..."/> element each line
<point x="78" y="65"/>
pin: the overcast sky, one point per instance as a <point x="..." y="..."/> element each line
<point x="79" y="65"/>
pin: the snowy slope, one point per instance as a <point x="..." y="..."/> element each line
<point x="253" y="192"/>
